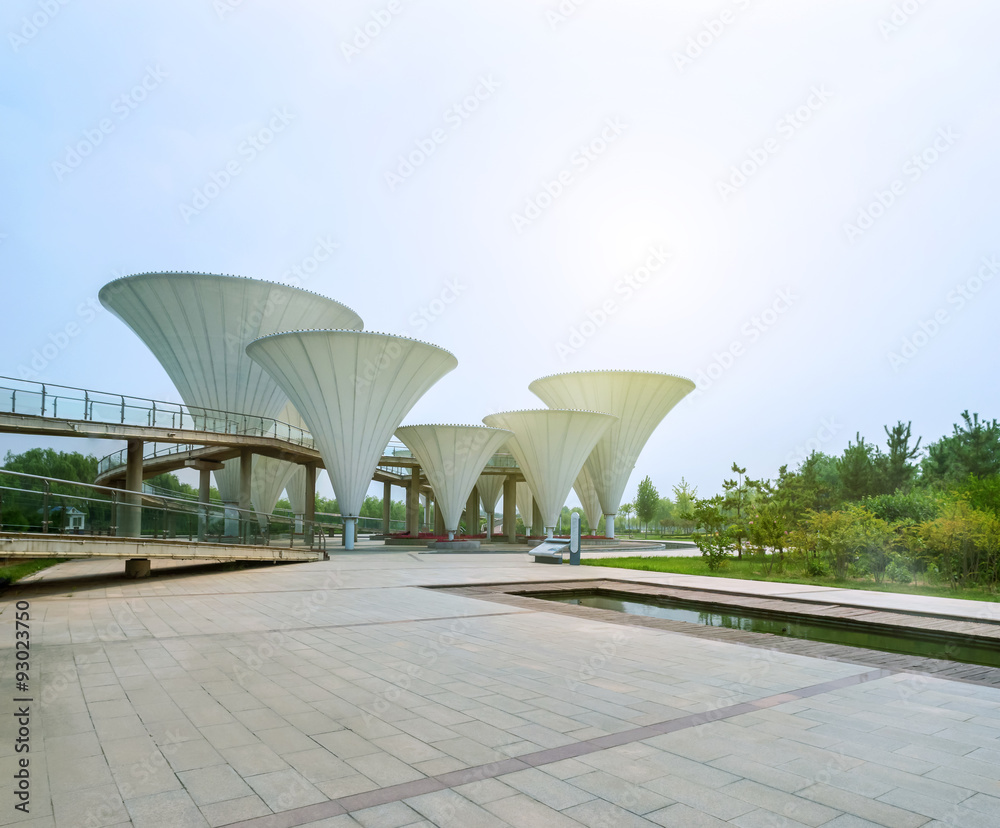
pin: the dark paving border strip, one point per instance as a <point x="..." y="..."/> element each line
<point x="454" y="779"/>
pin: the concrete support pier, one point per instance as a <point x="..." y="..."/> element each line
<point x="137" y="568"/>
<point x="413" y="503"/>
<point x="130" y="515"/>
<point x="510" y="507"/>
<point x="472" y="512"/>
<point x="386" y="507"/>
<point x="310" y="514"/>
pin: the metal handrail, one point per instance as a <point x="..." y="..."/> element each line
<point x="27" y="397"/>
<point x="120" y="500"/>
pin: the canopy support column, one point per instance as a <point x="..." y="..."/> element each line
<point x="246" y="504"/>
<point x="413" y="503"/>
<point x="309" y="516"/>
<point x="472" y="512"/>
<point x="386" y="506"/>
<point x="510" y="507"/>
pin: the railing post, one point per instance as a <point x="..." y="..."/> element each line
<point x="43" y="399"/>
<point x="86" y="404"/>
<point x="55" y="406"/>
<point x="45" y="507"/>
<point x="13" y="401"/>
<point x="123" y="410"/>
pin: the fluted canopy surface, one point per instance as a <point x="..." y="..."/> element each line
<point x="550" y="447"/>
<point x="352" y="389"/>
<point x="451" y="457"/>
<point x="490" y="487"/>
<point x="639" y="399"/>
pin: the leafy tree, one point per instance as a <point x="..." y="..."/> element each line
<point x="684" y="497"/>
<point x="714" y="543"/>
<point x="972" y="448"/>
<point x="647" y="499"/>
<point x="862" y="469"/>
<point x="963" y="543"/>
<point x="81" y="468"/>
<point x="899" y="471"/>
<point x="626" y="510"/>
<point x="739" y="493"/>
<point x="767" y="531"/>
<point x="983" y="493"/>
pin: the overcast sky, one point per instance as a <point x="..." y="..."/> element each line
<point x="792" y="203"/>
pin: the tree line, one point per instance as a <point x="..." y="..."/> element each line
<point x="885" y="512"/>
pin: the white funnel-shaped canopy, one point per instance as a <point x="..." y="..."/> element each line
<point x="452" y="456"/>
<point x="352" y="389"/>
<point x="550" y="447"/>
<point x="271" y="476"/>
<point x="525" y="505"/>
<point x="639" y="399"/>
<point x="198" y="324"/>
<point x="295" y="488"/>
<point x="268" y="481"/>
<point x="591" y="503"/>
<point x="490" y="487"/>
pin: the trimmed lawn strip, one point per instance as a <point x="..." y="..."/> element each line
<point x="748" y="570"/>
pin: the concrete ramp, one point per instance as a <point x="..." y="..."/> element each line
<point x="14" y="545"/>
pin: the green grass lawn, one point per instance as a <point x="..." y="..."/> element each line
<point x="14" y="572"/>
<point x="751" y="571"/>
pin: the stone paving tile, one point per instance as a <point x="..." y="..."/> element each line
<point x="699" y="797"/>
<point x="524" y="812"/>
<point x="679" y="815"/>
<point x="284" y="789"/>
<point x="234" y="810"/>
<point x="547" y="789"/>
<point x="392" y="815"/>
<point x="216" y="783"/>
<point x="860" y="806"/>
<point x="780" y="802"/>
<point x="173" y="808"/>
<point x="616" y="791"/>
<point x="763" y="818"/>
<point x="601" y="814"/>
<point x="447" y="809"/>
<point x="955" y="813"/>
<point x="384" y="769"/>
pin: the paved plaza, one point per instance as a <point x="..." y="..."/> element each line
<point x="345" y="693"/>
